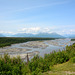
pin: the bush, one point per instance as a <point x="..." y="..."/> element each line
<point x="38" y="65"/>
<point x="73" y="60"/>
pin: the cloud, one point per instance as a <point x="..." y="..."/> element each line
<point x="6" y="32"/>
<point x="66" y="31"/>
<point x="29" y="30"/>
<point x="34" y="30"/>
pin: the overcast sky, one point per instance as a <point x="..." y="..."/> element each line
<point x="34" y="16"/>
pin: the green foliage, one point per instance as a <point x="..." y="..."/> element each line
<point x="8" y="67"/>
<point x="72" y="39"/>
<point x="25" y="69"/>
<point x="38" y="65"/>
<point x="73" y="60"/>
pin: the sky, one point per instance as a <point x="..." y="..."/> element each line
<point x="35" y="16"/>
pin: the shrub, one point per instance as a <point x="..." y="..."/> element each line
<point x="73" y="59"/>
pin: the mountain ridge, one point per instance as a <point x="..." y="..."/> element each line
<point x="45" y="35"/>
<point x="1" y="35"/>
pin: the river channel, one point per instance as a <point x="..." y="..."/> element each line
<point x="35" y="47"/>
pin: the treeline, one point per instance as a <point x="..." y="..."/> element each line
<point x="7" y="41"/>
<point x="72" y="39"/>
<point x="38" y="65"/>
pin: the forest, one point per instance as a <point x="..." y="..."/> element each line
<point x="72" y="39"/>
<point x="38" y="65"/>
<point x="7" y="41"/>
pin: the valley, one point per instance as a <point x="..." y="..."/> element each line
<point x="35" y="47"/>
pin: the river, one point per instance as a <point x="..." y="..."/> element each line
<point x="35" y="47"/>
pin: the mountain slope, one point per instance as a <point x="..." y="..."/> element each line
<point x="23" y="35"/>
<point x="51" y="35"/>
<point x="70" y="35"/>
<point x="45" y="35"/>
<point x="1" y="35"/>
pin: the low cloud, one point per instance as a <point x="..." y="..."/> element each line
<point x="66" y="31"/>
<point x="34" y="30"/>
<point x="6" y="32"/>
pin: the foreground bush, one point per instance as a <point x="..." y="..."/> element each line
<point x="38" y="65"/>
<point x="73" y="60"/>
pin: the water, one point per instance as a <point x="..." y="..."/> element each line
<point x="59" y="44"/>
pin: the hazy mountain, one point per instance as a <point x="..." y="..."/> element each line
<point x="49" y="35"/>
<point x="70" y="35"/>
<point x="7" y="34"/>
<point x="1" y="35"/>
<point x="23" y="35"/>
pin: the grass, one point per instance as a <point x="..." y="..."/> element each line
<point x="67" y="68"/>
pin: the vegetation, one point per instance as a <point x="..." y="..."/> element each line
<point x="39" y="65"/>
<point x="72" y="39"/>
<point x="7" y="41"/>
<point x="67" y="68"/>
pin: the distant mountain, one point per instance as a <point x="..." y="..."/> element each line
<point x="70" y="35"/>
<point x="45" y="35"/>
<point x="1" y="35"/>
<point x="51" y="35"/>
<point x="23" y="35"/>
<point x="7" y="34"/>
